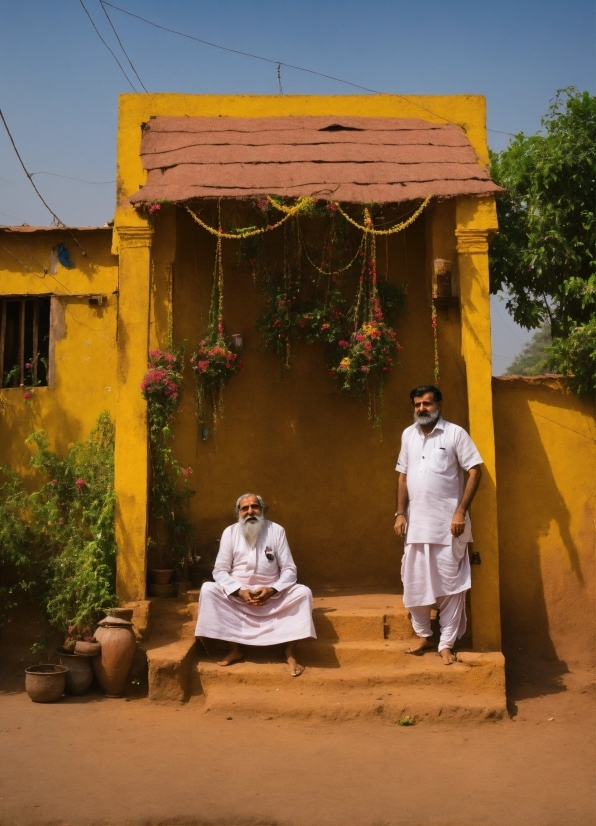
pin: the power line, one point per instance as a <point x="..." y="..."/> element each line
<point x="28" y="174"/>
<point x="121" y="46"/>
<point x="106" y="45"/>
<point x="70" y="178"/>
<point x="280" y="63"/>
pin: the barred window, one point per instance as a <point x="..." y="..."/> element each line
<point x="24" y="341"/>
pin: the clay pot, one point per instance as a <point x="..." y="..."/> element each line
<point x="118" y="647"/>
<point x="87" y="649"/>
<point x="160" y="590"/>
<point x="121" y="613"/>
<point x="160" y="576"/>
<point x="80" y="673"/>
<point x="45" y="683"/>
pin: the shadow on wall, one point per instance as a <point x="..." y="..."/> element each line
<point x="544" y="524"/>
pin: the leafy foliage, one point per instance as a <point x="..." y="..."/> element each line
<point x="169" y="480"/>
<point x="533" y="359"/>
<point x="60" y="538"/>
<point x="544" y="254"/>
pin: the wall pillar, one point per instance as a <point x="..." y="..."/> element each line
<point x="476" y="220"/>
<point x="132" y="450"/>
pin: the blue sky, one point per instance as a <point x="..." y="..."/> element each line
<point x="59" y="84"/>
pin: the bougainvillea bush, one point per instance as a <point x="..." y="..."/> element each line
<point x="60" y="539"/>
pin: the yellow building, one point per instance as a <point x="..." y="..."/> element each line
<point x="327" y="474"/>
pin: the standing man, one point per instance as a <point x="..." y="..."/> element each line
<point x="255" y="598"/>
<point x="432" y="517"/>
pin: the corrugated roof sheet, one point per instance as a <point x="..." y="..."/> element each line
<point x="336" y="158"/>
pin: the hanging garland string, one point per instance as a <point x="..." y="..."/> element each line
<point x="435" y="343"/>
<point x="332" y="272"/>
<point x="214" y="363"/>
<point x="368" y="228"/>
<point x="249" y="233"/>
<point x="301" y="205"/>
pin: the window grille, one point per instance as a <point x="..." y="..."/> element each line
<point x="24" y="341"/>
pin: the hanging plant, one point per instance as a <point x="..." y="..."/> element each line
<point x="366" y="356"/>
<point x="169" y="480"/>
<point x="214" y="362"/>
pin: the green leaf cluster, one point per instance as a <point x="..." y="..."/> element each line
<point x="58" y="542"/>
<point x="544" y="254"/>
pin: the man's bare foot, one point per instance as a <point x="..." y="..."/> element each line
<point x="295" y="668"/>
<point x="234" y="656"/>
<point x="420" y="645"/>
<point x="447" y="656"/>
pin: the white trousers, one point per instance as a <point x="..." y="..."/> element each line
<point x="452" y="619"/>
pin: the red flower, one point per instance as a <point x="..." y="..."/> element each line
<point x="27" y="395"/>
<point x="80" y="483"/>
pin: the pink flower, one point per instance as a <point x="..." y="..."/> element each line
<point x="80" y="483"/>
<point x="359" y="337"/>
<point x="28" y="366"/>
<point x="325" y="326"/>
<point x="154" y="208"/>
<point x="187" y="471"/>
<point x="368" y="345"/>
<point x="203" y="366"/>
<point x="27" y="395"/>
<point x="343" y="343"/>
<point x="54" y="482"/>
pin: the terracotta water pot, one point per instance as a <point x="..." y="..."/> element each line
<point x="118" y="647"/>
<point x="45" y="683"/>
<point x="160" y="576"/>
<point x="121" y="613"/>
<point x="87" y="649"/>
<point x="80" y="673"/>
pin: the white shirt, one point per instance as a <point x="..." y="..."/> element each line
<point x="269" y="562"/>
<point x="434" y="466"/>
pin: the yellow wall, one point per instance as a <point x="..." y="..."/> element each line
<point x="308" y="449"/>
<point x="546" y="455"/>
<point x="85" y="348"/>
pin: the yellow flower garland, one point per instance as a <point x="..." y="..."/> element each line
<point x="289" y="211"/>
<point x="396" y="228"/>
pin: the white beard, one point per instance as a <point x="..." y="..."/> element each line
<point x="251" y="530"/>
<point x="427" y="418"/>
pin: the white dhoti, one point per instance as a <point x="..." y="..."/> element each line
<point x="437" y="575"/>
<point x="285" y="617"/>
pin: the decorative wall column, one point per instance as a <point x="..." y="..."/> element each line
<point x="132" y="449"/>
<point x="476" y="221"/>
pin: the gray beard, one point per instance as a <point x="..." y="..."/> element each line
<point x="251" y="530"/>
<point x="427" y="418"/>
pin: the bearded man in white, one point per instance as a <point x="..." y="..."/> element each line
<point x="255" y="598"/>
<point x="432" y="516"/>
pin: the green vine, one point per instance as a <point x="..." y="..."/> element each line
<point x="169" y="489"/>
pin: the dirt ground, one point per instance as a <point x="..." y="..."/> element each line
<point x="92" y="761"/>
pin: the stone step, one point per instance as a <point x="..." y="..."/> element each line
<point x="422" y="691"/>
<point x="170" y="669"/>
<point x="474" y="673"/>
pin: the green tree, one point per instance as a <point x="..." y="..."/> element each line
<point x="544" y="254"/>
<point x="533" y="359"/>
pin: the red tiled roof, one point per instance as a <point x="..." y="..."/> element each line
<point x="335" y="158"/>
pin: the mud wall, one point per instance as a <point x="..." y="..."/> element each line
<point x="546" y="455"/>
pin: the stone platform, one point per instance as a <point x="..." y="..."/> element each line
<point x="357" y="668"/>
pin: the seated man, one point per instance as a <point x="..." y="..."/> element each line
<point x="255" y="598"/>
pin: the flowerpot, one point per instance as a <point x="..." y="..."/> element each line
<point x="121" y="613"/>
<point x="87" y="649"/>
<point x="160" y="576"/>
<point x="118" y="647"/>
<point x="160" y="590"/>
<point x="45" y="683"/>
<point x="80" y="673"/>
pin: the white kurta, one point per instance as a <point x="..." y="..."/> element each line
<point x="435" y="563"/>
<point x="286" y="616"/>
